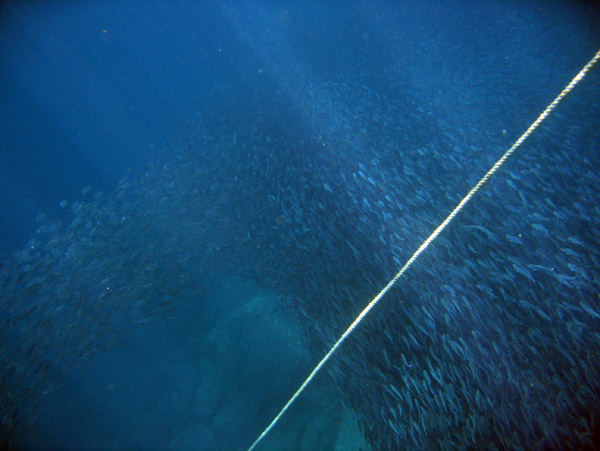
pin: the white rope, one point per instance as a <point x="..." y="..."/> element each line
<point x="433" y="236"/>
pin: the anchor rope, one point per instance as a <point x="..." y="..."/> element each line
<point x="433" y="236"/>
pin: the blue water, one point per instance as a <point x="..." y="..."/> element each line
<point x="184" y="305"/>
<point x="89" y="91"/>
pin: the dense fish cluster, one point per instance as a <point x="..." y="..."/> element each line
<point x="74" y="290"/>
<point x="493" y="338"/>
<point x="320" y="190"/>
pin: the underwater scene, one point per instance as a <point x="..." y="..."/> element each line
<point x="197" y="199"/>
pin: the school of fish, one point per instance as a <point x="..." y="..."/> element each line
<point x="320" y="191"/>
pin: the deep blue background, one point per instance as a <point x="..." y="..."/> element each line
<point x="89" y="90"/>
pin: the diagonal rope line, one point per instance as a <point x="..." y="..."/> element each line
<point x="433" y="236"/>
